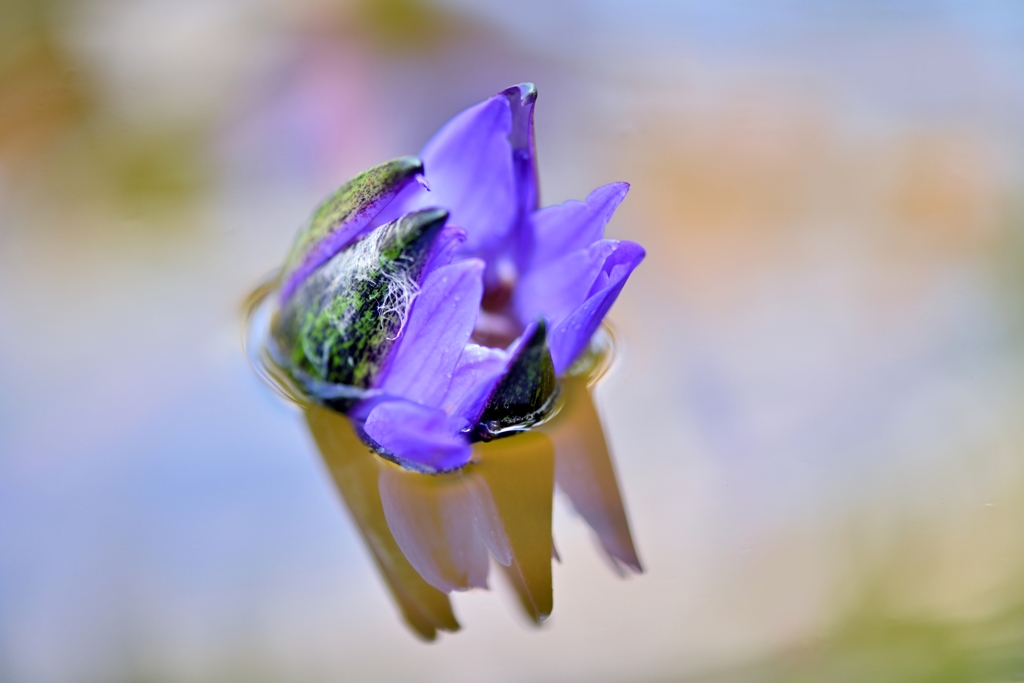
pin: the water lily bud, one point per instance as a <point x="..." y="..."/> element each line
<point x="425" y="334"/>
<point x="343" y="319"/>
<point x="344" y="216"/>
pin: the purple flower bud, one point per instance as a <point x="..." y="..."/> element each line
<point x="431" y="336"/>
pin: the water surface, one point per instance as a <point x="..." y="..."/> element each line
<point x="814" y="420"/>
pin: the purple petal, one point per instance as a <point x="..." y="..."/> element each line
<point x="521" y="99"/>
<point x="469" y="168"/>
<point x="560" y="230"/>
<point x="419" y="435"/>
<point x="510" y="255"/>
<point x="440" y="323"/>
<point x="518" y="248"/>
<point x="573" y="334"/>
<point x="556" y="290"/>
<point x="478" y="371"/>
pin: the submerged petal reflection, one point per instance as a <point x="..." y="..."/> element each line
<point x="501" y="503"/>
<point x="520" y="473"/>
<point x="584" y="472"/>
<point x="355" y="470"/>
<point x="442" y="525"/>
<point x="434" y="534"/>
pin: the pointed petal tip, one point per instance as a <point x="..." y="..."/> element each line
<point x="540" y="330"/>
<point x="520" y="100"/>
<point x="628" y="567"/>
<point x="427" y="634"/>
<point x="624" y="558"/>
<point x="395" y="174"/>
<point x="407" y="165"/>
<point x="527" y="92"/>
<point x="418" y="224"/>
<point x="433" y="214"/>
<point x="626" y="251"/>
<point x="634" y="250"/>
<point x="611" y="194"/>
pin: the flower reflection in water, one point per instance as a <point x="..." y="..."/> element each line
<point x="431" y="535"/>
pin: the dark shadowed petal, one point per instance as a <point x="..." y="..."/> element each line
<point x="439" y="325"/>
<point x="469" y="168"/>
<point x="419" y="435"/>
<point x="526" y="386"/>
<point x="560" y="230"/>
<point x="556" y="290"/>
<point x="571" y="336"/>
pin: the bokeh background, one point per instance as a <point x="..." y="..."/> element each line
<point x="817" y="415"/>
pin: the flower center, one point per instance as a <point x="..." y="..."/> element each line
<point x="497" y="325"/>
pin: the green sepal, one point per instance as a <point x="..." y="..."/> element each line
<point x="340" y="217"/>
<point x="343" y="319"/>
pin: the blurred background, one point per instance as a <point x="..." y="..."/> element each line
<point x="816" y="415"/>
